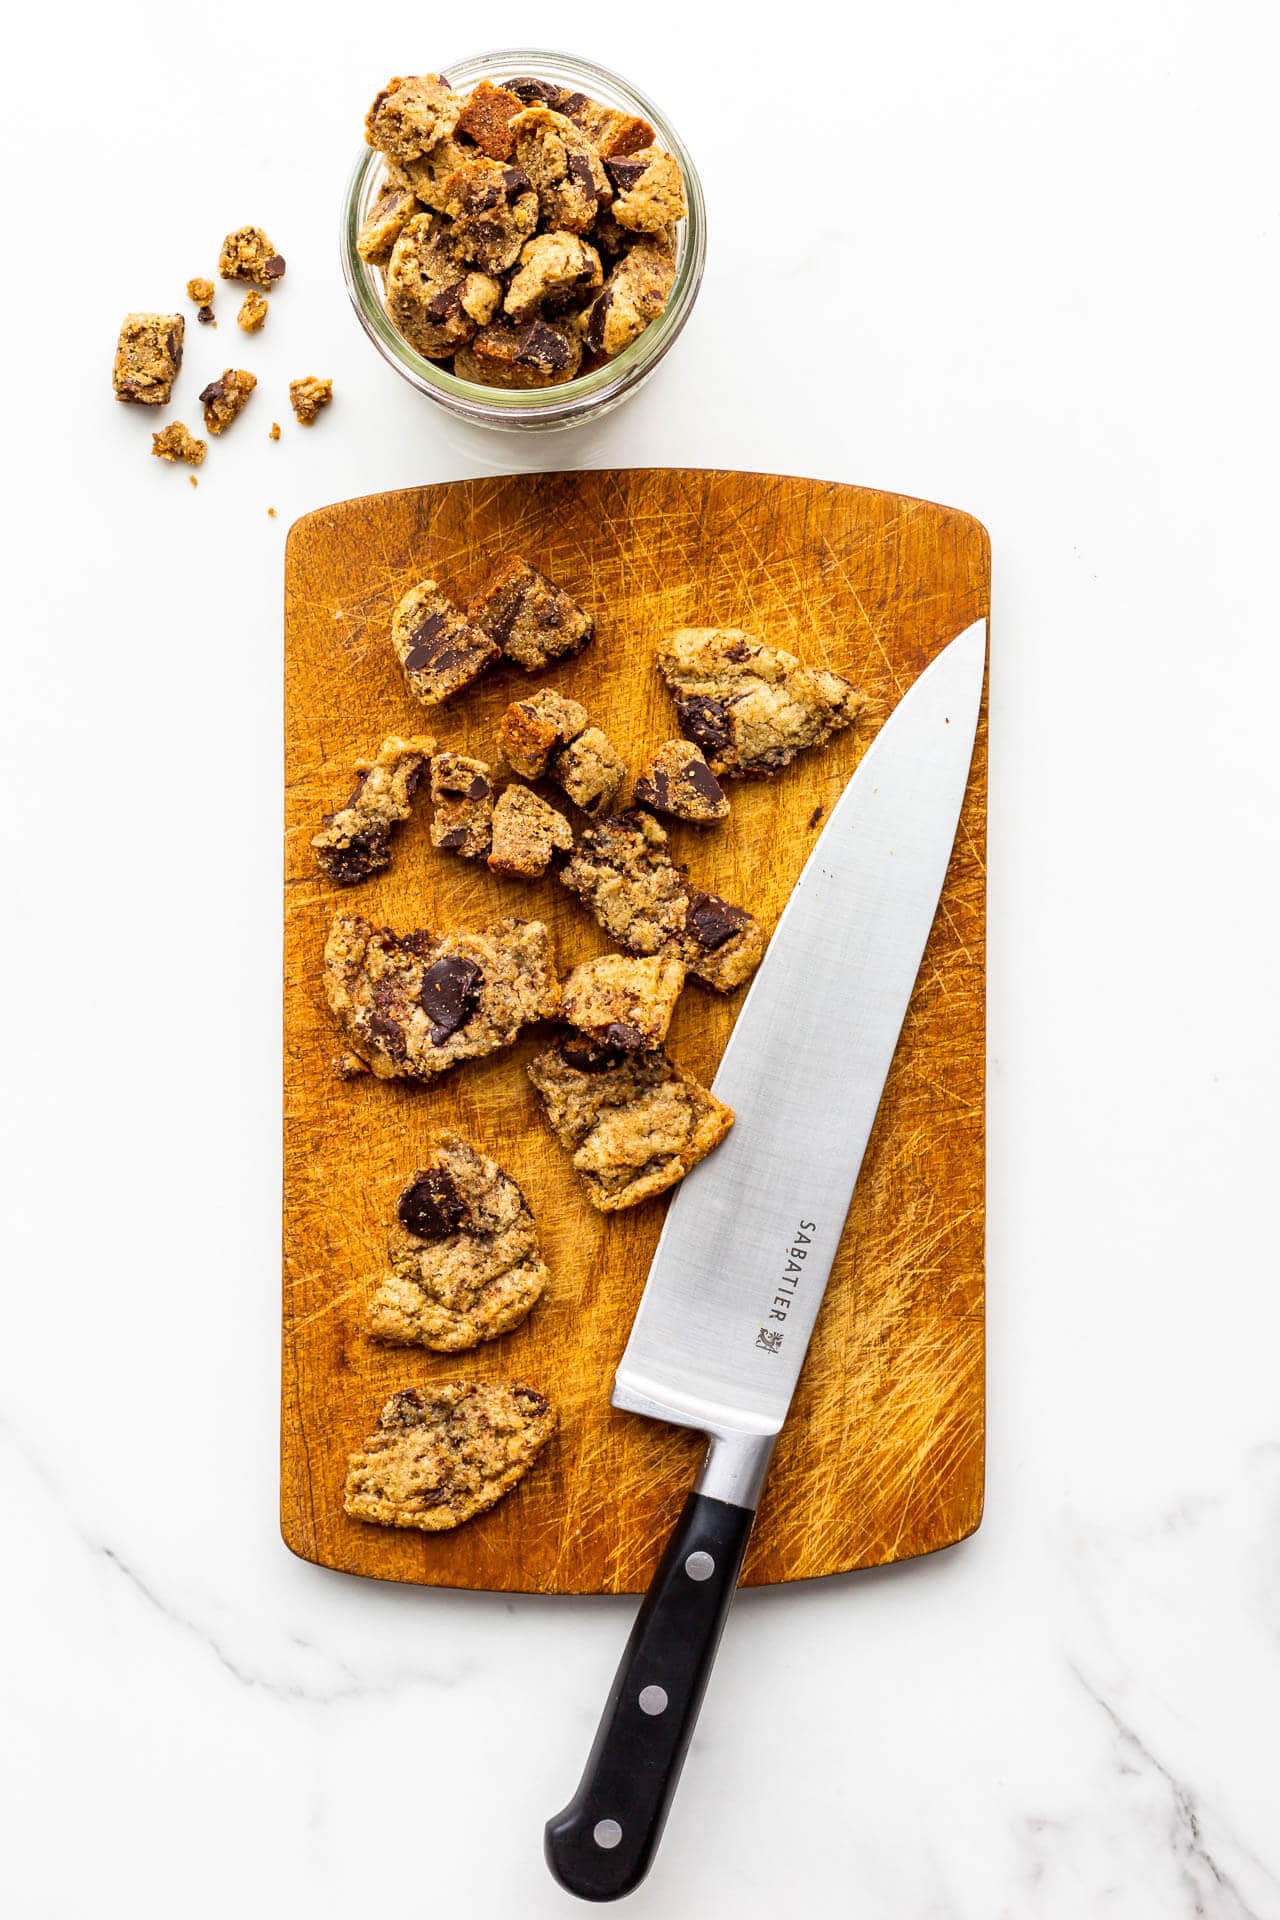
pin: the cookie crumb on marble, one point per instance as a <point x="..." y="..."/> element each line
<point x="175" y="442"/>
<point x="309" y="397"/>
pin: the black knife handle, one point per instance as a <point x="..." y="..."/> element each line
<point x="602" y="1844"/>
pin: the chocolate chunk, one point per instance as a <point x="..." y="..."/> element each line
<point x="542" y="347"/>
<point x="427" y="641"/>
<point x="573" y="103"/>
<point x="704" y="783"/>
<point x="528" y="89"/>
<point x="625" y="173"/>
<point x="216" y="390"/>
<point x="585" y="1057"/>
<point x="580" y="174"/>
<point x="620" y="1033"/>
<point x="387" y="1035"/>
<point x="516" y="181"/>
<point x="446" y="303"/>
<point x="478" y="789"/>
<point x="366" y="853"/>
<point x="273" y="268"/>
<point x="431" y="1206"/>
<point x="712" y="921"/>
<point x="452" y="838"/>
<point x="204" y="315"/>
<point x="655" y="792"/>
<point x="816" y="815"/>
<point x="595" y="325"/>
<point x="449" y="992"/>
<point x="706" y="722"/>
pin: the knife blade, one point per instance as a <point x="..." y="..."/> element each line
<point x="738" y="1275"/>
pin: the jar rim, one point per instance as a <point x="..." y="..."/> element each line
<point x="587" y="394"/>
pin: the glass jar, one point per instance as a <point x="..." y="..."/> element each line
<point x="590" y="394"/>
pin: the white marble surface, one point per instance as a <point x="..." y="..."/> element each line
<point x="1029" y="269"/>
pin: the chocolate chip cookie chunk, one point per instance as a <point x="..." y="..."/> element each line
<point x="462" y="796"/>
<point x="526" y="834"/>
<point x="567" y="173"/>
<point x="751" y="708"/>
<point x="412" y="115"/>
<point x="226" y="398"/>
<point x="635" y="293"/>
<point x="623" y="1001"/>
<point x="437" y="647"/>
<point x="444" y="1453"/>
<point x="309" y="397"/>
<point x="413" y="1005"/>
<point x="487" y="118"/>
<point x="177" y="442"/>
<point x="464" y="1262"/>
<point x="247" y="254"/>
<point x="623" y="874"/>
<point x="388" y="217"/>
<point x="531" y="619"/>
<point x="355" y="841"/>
<point x="531" y="730"/>
<point x="634" y="1122"/>
<point x="648" y="190"/>
<point x="556" y="271"/>
<point x="678" y="781"/>
<point x="433" y="296"/>
<point x="590" y="770"/>
<point x="148" y="358"/>
<point x="534" y="354"/>
<point x="494" y="210"/>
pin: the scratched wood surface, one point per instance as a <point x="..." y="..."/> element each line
<point x="883" y="1456"/>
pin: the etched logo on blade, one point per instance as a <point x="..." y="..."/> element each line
<point x="769" y="1339"/>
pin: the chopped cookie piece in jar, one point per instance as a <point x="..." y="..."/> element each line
<point x="247" y="254"/>
<point x="527" y="832"/>
<point x="567" y="172"/>
<point x="432" y="296"/>
<point x="624" y="1000"/>
<point x="556" y="270"/>
<point x="355" y="840"/>
<point x="462" y="798"/>
<point x="648" y="190"/>
<point x="533" y="355"/>
<point x="634" y="1123"/>
<point x="590" y="770"/>
<point x="528" y="617"/>
<point x="678" y="782"/>
<point x="634" y="295"/>
<point x="252" y="317"/>
<point x="437" y="647"/>
<point x="444" y="1453"/>
<point x="411" y="116"/>
<point x="464" y="1265"/>
<point x="412" y="1006"/>
<point x="309" y="397"/>
<point x="751" y="708"/>
<point x="226" y="398"/>
<point x="388" y="217"/>
<point x="609" y="130"/>
<point x="531" y="730"/>
<point x="487" y="118"/>
<point x="175" y="442"/>
<point x="428" y="177"/>
<point x="493" y="210"/>
<point x="622" y="872"/>
<point x="148" y="358"/>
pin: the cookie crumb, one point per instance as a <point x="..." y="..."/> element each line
<point x="275" y="430"/>
<point x="148" y="358"/>
<point x="271" y="513"/>
<point x="200" y="291"/>
<point x="205" y="317"/>
<point x="193" y="480"/>
<point x="307" y="397"/>
<point x="247" y="254"/>
<point x="226" y="397"/>
<point x="252" y="317"/>
<point x="815" y="816"/>
<point x="175" y="442"/>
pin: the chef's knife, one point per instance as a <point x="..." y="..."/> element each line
<point x="737" y="1278"/>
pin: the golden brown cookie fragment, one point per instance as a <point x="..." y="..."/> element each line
<point x="567" y="172"/>
<point x="634" y="295"/>
<point x="609" y="130"/>
<point x="309" y="397"/>
<point x="437" y="647"/>
<point x="487" y="118"/>
<point x="531" y="730"/>
<point x="493" y="210"/>
<point x="462" y="798"/>
<point x="432" y="296"/>
<point x="622" y="872"/>
<point x="533" y="355"/>
<point x="200" y="291"/>
<point x="252" y="317"/>
<point x="226" y="398"/>
<point x="623" y="1000"/>
<point x="247" y="254"/>
<point x="634" y="1123"/>
<point x="148" y="357"/>
<point x="174" y="442"/>
<point x="411" y="116"/>
<point x="527" y="832"/>
<point x="556" y="270"/>
<point x="751" y="708"/>
<point x="590" y="770"/>
<point x="463" y="1257"/>
<point x="444" y="1453"/>
<point x="530" y="618"/>
<point x="411" y="1006"/>
<point x="648" y="189"/>
<point x="388" y="217"/>
<point x="355" y="841"/>
<point x="678" y="782"/>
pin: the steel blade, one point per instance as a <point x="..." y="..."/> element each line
<point x="737" y="1279"/>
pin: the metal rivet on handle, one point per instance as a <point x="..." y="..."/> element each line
<point x="699" y="1566"/>
<point x="653" y="1699"/>
<point x="606" y="1833"/>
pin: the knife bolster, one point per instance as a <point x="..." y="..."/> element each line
<point x="735" y="1467"/>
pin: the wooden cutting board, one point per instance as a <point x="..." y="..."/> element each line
<point x="883" y="1455"/>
